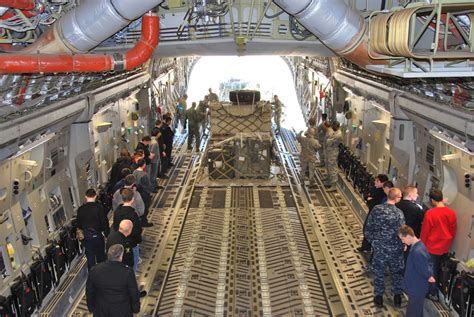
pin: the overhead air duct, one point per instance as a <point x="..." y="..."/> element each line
<point x="82" y="29"/>
<point x="88" y="25"/>
<point x="336" y="24"/>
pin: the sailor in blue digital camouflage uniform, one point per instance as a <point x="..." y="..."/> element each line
<point x="381" y="231"/>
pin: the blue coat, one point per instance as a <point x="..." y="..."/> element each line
<point x="418" y="271"/>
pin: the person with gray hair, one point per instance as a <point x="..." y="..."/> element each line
<point x="115" y="253"/>
<point x="111" y="288"/>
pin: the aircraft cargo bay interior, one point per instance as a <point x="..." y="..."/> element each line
<point x="236" y="158"/>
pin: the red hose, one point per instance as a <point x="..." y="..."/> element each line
<point x="21" y="92"/>
<point x="144" y="48"/>
<point x="85" y="63"/>
<point x="55" y="63"/>
<point x="18" y="4"/>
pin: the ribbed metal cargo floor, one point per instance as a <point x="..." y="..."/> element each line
<point x="242" y="252"/>
<point x="252" y="250"/>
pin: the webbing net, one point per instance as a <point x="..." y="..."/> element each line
<point x="229" y="119"/>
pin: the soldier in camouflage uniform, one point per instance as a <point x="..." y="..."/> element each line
<point x="322" y="128"/>
<point x="332" y="140"/>
<point x="212" y="97"/>
<point x="277" y="109"/>
<point x="381" y="231"/>
<point x="193" y="119"/>
<point x="202" y="110"/>
<point x="309" y="146"/>
<point x="181" y="111"/>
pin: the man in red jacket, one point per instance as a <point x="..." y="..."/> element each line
<point x="438" y="231"/>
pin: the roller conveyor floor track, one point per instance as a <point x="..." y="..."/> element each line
<point x="243" y="252"/>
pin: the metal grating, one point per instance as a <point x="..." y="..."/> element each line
<point x="243" y="259"/>
<point x="190" y="268"/>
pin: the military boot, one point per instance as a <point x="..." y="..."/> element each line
<point x="331" y="188"/>
<point x="397" y="300"/>
<point x="378" y="300"/>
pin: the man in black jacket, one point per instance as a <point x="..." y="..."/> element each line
<point x="157" y="127"/>
<point x="376" y="196"/>
<point x="111" y="288"/>
<point x="144" y="146"/>
<point x="124" y="161"/>
<point x="126" y="211"/>
<point x="92" y="219"/>
<point x="120" y="237"/>
<point x="413" y="212"/>
<point x="168" y="136"/>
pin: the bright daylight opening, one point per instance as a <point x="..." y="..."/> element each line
<point x="268" y="74"/>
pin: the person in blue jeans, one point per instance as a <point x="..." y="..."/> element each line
<point x="418" y="272"/>
<point x="92" y="219"/>
<point x="126" y="211"/>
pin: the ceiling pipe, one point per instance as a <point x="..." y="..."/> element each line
<point x="336" y="24"/>
<point x="143" y="50"/>
<point x="18" y="4"/>
<point x="82" y="63"/>
<point x="89" y="24"/>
